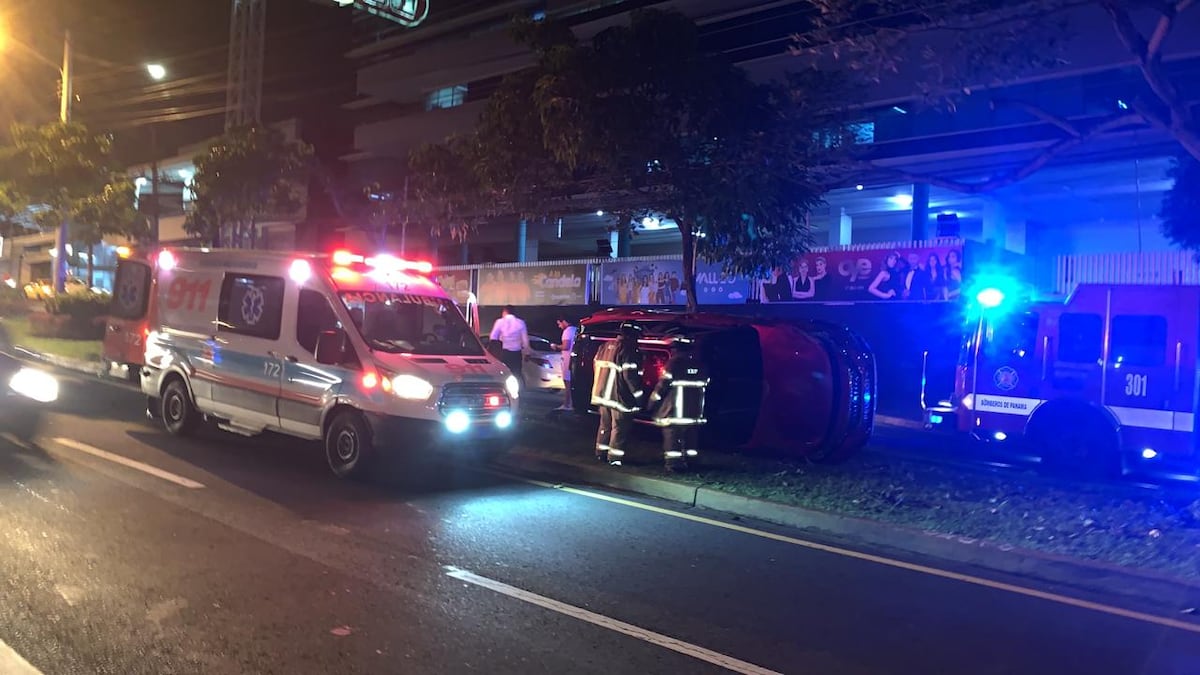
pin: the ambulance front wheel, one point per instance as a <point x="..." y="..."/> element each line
<point x="348" y="444"/>
<point x="179" y="416"/>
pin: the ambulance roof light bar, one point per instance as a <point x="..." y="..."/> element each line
<point x="383" y="262"/>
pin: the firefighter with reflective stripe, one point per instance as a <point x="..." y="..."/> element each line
<point x="617" y="390"/>
<point x="678" y="403"/>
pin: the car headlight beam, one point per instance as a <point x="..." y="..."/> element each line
<point x="35" y="384"/>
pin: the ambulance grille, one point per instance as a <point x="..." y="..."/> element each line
<point x="473" y="397"/>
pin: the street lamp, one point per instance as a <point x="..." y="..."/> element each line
<point x="157" y="73"/>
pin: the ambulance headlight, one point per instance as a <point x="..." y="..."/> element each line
<point x="504" y="419"/>
<point x="34" y="384"/>
<point x="411" y="387"/>
<point x="457" y="421"/>
<point x="512" y="386"/>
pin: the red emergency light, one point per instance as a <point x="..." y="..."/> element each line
<point x="384" y="262"/>
<point x="493" y="401"/>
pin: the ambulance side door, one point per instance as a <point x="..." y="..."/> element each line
<point x="247" y="371"/>
<point x="308" y="386"/>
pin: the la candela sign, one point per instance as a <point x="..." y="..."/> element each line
<point x="408" y="13"/>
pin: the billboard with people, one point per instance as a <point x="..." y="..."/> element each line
<point x="542" y="285"/>
<point x="660" y="282"/>
<point x="918" y="273"/>
<point x="457" y="284"/>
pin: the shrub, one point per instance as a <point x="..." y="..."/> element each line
<point x="13" y="302"/>
<point x="75" y="316"/>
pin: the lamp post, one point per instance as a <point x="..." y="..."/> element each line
<point x="64" y="115"/>
<point x="157" y="73"/>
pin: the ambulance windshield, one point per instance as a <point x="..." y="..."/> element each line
<point x="401" y="323"/>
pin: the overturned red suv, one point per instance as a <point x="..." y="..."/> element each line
<point x="797" y="388"/>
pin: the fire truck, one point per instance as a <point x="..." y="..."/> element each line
<point x="1096" y="384"/>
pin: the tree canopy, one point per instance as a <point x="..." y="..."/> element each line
<point x="56" y="173"/>
<point x="640" y="122"/>
<point x="248" y="174"/>
<point x="1181" y="207"/>
<point x="956" y="47"/>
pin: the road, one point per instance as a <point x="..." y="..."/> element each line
<point x="126" y="551"/>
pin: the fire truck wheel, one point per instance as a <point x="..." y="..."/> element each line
<point x="179" y="416"/>
<point x="1077" y="441"/>
<point x="348" y="444"/>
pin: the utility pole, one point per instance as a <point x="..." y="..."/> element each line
<point x="64" y="115"/>
<point x="154" y="184"/>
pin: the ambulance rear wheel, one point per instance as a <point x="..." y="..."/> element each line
<point x="348" y="444"/>
<point x="179" y="416"/>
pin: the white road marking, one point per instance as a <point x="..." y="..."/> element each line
<point x="131" y="463"/>
<point x="658" y="639"/>
<point x="1067" y="600"/>
<point x="11" y="662"/>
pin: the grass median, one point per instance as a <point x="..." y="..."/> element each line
<point x="80" y="350"/>
<point x="1152" y="530"/>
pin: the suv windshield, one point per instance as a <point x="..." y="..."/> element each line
<point x="411" y="324"/>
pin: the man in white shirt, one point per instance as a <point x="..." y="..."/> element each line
<point x="510" y="330"/>
<point x="566" y="347"/>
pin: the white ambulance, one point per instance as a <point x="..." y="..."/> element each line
<point x="357" y="352"/>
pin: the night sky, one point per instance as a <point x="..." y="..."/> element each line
<point x="305" y="74"/>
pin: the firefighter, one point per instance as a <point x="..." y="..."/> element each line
<point x="679" y="401"/>
<point x="617" y="391"/>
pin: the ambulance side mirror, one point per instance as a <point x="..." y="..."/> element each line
<point x="331" y="348"/>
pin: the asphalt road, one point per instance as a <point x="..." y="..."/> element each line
<point x="123" y="550"/>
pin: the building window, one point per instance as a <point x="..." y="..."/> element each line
<point x="446" y="97"/>
<point x="862" y="132"/>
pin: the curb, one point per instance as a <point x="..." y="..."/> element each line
<point x="86" y="367"/>
<point x="1083" y="575"/>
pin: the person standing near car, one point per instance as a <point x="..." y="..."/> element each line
<point x="565" y="348"/>
<point x="617" y="391"/>
<point x="678" y="403"/>
<point x="513" y="336"/>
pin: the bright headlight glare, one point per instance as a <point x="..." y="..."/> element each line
<point x="513" y="386"/>
<point x="35" y="384"/>
<point x="411" y="387"/>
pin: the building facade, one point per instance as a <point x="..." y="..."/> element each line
<point x="419" y="85"/>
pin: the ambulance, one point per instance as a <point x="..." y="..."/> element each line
<point x="358" y="352"/>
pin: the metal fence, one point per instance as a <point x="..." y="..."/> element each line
<point x="1165" y="267"/>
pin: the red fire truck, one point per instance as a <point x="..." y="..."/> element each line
<point x="1103" y="381"/>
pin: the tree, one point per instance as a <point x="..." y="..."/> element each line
<point x="955" y="47"/>
<point x="246" y="175"/>
<point x="1181" y="207"/>
<point x="641" y="123"/>
<point x="445" y="190"/>
<point x="63" y="172"/>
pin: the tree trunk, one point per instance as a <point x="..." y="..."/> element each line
<point x="688" y="240"/>
<point x="91" y="265"/>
